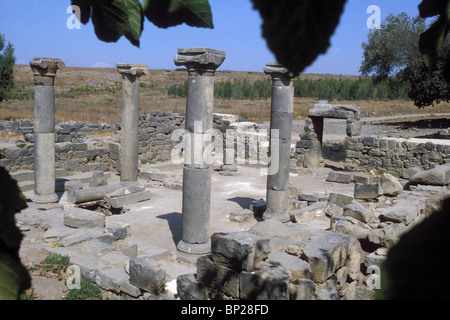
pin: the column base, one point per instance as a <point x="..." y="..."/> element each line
<point x="280" y="216"/>
<point x="42" y="199"/>
<point x="194" y="248"/>
<point x="129" y="183"/>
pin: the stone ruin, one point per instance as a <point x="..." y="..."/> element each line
<point x="309" y="147"/>
<point x="301" y="246"/>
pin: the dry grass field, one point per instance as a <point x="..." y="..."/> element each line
<point x="88" y="94"/>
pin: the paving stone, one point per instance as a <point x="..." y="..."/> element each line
<point x="82" y="218"/>
<point x="116" y="280"/>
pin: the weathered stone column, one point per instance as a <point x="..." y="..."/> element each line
<point x="44" y="72"/>
<point x="129" y="140"/>
<point x="282" y="108"/>
<point x="201" y="64"/>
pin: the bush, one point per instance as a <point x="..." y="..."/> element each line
<point x="7" y="62"/>
<point x="88" y="291"/>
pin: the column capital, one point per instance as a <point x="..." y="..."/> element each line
<point x="278" y="72"/>
<point x="200" y="61"/>
<point x="44" y="70"/>
<point x="132" y="69"/>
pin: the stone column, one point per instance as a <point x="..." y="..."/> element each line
<point x="282" y="108"/>
<point x="129" y="141"/>
<point x="44" y="73"/>
<point x="201" y="64"/>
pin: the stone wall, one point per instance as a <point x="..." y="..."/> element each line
<point x="395" y="154"/>
<point x="76" y="151"/>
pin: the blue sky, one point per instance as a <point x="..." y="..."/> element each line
<point x="39" y="28"/>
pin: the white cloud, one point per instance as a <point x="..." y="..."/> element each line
<point x="101" y="64"/>
<point x="22" y="61"/>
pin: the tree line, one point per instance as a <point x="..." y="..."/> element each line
<point x="321" y="89"/>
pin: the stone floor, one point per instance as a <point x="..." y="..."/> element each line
<point x="155" y="225"/>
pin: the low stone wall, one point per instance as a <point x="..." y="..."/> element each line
<point x="68" y="155"/>
<point x="155" y="130"/>
<point x="394" y="154"/>
<point x="74" y="152"/>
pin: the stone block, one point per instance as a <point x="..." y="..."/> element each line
<point x="272" y="228"/>
<point x="390" y="185"/>
<point x="173" y="183"/>
<point x="116" y="280"/>
<point x="241" y="216"/>
<point x="387" y="236"/>
<point x="81" y="218"/>
<point x="146" y="274"/>
<point x="265" y="284"/>
<point x="218" y="277"/>
<point x="340" y="177"/>
<point x="298" y="268"/>
<point x="340" y="199"/>
<point x="404" y="211"/>
<point x="357" y="211"/>
<point x="332" y="209"/>
<point x="303" y="289"/>
<point x="188" y="288"/>
<point x="239" y="250"/>
<point x="367" y="191"/>
<point x="86" y="235"/>
<point x="295" y="204"/>
<point x="439" y="176"/>
<point x="346" y="225"/>
<point x="121" y="201"/>
<point x="309" y="213"/>
<point x="98" y="179"/>
<point x="325" y="254"/>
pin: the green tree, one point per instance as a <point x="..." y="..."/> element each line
<point x="393" y="54"/>
<point x="7" y="61"/>
<point x="389" y="49"/>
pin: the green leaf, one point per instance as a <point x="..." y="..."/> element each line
<point x="14" y="278"/>
<point x="297" y="31"/>
<point x="169" y="13"/>
<point x="135" y="21"/>
<point x="110" y="19"/>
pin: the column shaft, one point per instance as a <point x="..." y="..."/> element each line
<point x="44" y="73"/>
<point x="129" y="138"/>
<point x="201" y="64"/>
<point x="282" y="106"/>
<point x="129" y="154"/>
